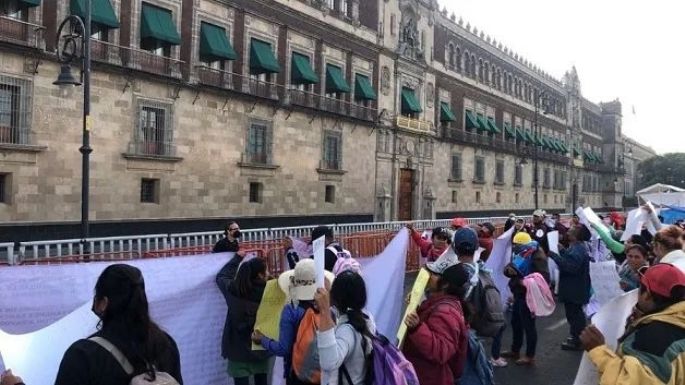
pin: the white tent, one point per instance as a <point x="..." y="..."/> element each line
<point x="663" y="194"/>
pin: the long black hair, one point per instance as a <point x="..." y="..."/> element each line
<point x="126" y="322"/>
<point x="455" y="280"/>
<point x="247" y="277"/>
<point x="348" y="295"/>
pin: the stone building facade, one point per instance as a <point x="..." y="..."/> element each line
<point x="281" y="112"/>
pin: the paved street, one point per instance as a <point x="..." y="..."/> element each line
<point x="553" y="367"/>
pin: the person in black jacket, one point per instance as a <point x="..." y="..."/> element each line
<point x="574" y="283"/>
<point x="121" y="304"/>
<point x="229" y="243"/>
<point x="242" y="285"/>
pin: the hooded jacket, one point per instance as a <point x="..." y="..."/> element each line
<point x="437" y="347"/>
<point x="652" y="352"/>
<point x="574" y="274"/>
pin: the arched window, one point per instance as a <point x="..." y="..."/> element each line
<point x="486" y="73"/>
<point x="510" y="89"/>
<point x="449" y="60"/>
<point x="473" y="65"/>
<point x="480" y="70"/>
<point x="493" y="77"/>
<point x="467" y="63"/>
<point x="457" y="60"/>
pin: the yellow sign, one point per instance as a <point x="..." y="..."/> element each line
<point x="269" y="312"/>
<point x="416" y="295"/>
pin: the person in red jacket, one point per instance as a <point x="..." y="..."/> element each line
<point x="433" y="249"/>
<point x="437" y="338"/>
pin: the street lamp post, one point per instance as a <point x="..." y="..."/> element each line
<point x="539" y="98"/>
<point x="68" y="44"/>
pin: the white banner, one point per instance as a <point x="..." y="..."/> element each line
<point x="499" y="258"/>
<point x="47" y="308"/>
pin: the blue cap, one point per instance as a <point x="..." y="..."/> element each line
<point x="465" y="238"/>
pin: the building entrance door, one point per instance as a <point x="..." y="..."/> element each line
<point x="406" y="195"/>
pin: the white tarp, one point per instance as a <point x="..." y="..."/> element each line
<point x="46" y="308"/>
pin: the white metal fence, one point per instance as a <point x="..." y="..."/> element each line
<point x="131" y="247"/>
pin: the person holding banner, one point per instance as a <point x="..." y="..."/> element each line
<point x="242" y="284"/>
<point x="652" y="351"/>
<point x="574" y="283"/>
<point x="433" y="249"/>
<point x="437" y="338"/>
<point x="128" y="343"/>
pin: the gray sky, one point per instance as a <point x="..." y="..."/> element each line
<point x="627" y="49"/>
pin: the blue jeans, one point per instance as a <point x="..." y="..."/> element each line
<point x="496" y="348"/>
<point x="522" y="321"/>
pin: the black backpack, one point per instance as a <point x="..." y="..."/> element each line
<point x="487" y="302"/>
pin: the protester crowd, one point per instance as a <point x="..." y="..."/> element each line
<point x="326" y="335"/>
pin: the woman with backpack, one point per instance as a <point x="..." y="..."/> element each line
<point x="299" y="285"/>
<point x="242" y="284"/>
<point x="437" y="333"/>
<point x="345" y="346"/>
<point x="128" y="343"/>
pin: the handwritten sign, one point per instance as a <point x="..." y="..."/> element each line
<point x="320" y="260"/>
<point x="415" y="298"/>
<point x="269" y="312"/>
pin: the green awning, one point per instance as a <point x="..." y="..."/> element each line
<point x="214" y="44"/>
<point x="555" y="144"/>
<point x="563" y="146"/>
<point x="537" y="140"/>
<point x="493" y="126"/>
<point x="363" y="90"/>
<point x="599" y="157"/>
<point x="510" y="132"/>
<point x="519" y="134"/>
<point x="545" y="143"/>
<point x="262" y="58"/>
<point x="409" y="103"/>
<point x="483" y="124"/>
<point x="576" y="151"/>
<point x="301" y="71"/>
<point x="157" y="23"/>
<point x="335" y="80"/>
<point x="471" y="121"/>
<point x="528" y="137"/>
<point x="29" y="3"/>
<point x="446" y="114"/>
<point x="101" y="11"/>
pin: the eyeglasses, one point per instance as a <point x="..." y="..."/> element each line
<point x="234" y="229"/>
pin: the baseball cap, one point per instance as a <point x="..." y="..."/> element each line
<point x="522" y="238"/>
<point x="299" y="284"/>
<point x="662" y="278"/>
<point x="447" y="259"/>
<point x="459" y="223"/>
<point x="539" y="213"/>
<point x="465" y="238"/>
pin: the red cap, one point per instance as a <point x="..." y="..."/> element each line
<point x="662" y="278"/>
<point x="459" y="223"/>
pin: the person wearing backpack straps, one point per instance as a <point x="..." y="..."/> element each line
<point x="437" y="332"/>
<point x="299" y="285"/>
<point x="345" y="346"/>
<point x="128" y="344"/>
<point x="242" y="283"/>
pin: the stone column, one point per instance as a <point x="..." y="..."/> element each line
<point x="355" y="10"/>
<point x="428" y="204"/>
<point x="382" y="210"/>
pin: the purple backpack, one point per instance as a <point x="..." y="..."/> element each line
<point x="390" y="367"/>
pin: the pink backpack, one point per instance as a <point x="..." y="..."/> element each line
<point x="344" y="262"/>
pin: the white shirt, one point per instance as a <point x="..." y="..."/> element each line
<point x="343" y="345"/>
<point x="676" y="258"/>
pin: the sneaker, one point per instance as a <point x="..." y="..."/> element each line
<point x="571" y="346"/>
<point x="525" y="361"/>
<point x="499" y="363"/>
<point x="511" y="355"/>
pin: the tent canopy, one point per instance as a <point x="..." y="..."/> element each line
<point x="660" y="188"/>
<point x="663" y="194"/>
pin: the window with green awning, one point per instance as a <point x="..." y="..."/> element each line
<point x="528" y="137"/>
<point x="537" y="140"/>
<point x="363" y="90"/>
<point x="576" y="151"/>
<point x="301" y="71"/>
<point x="564" y="147"/>
<point x="410" y="105"/>
<point x="519" y="134"/>
<point x="509" y="130"/>
<point x="29" y="3"/>
<point x="157" y="24"/>
<point x="101" y="12"/>
<point x="555" y="144"/>
<point x="493" y="126"/>
<point x="599" y="157"/>
<point x="446" y="114"/>
<point x="471" y="121"/>
<point x="335" y="80"/>
<point x="214" y="44"/>
<point x="262" y="58"/>
<point x="482" y="123"/>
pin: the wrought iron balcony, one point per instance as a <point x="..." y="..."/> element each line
<point x="105" y="52"/>
<point x="20" y="32"/>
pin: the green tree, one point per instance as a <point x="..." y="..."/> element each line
<point x="667" y="168"/>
